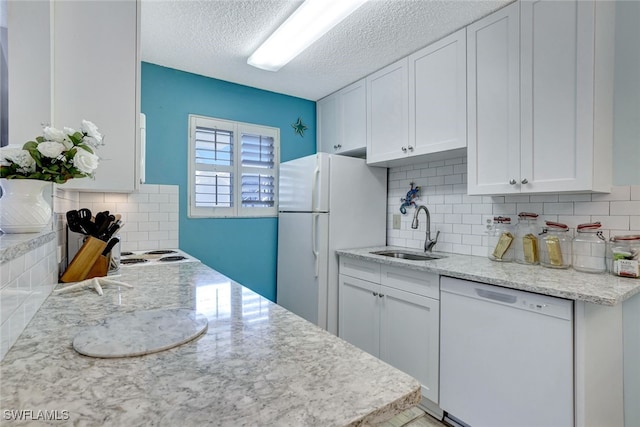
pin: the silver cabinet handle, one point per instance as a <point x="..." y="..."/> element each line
<point x="404" y="149"/>
<point x="380" y="295"/>
<point x="512" y="182"/>
<point x="524" y="181"/>
<point x="375" y="294"/>
<point x="337" y="147"/>
<point x="410" y="148"/>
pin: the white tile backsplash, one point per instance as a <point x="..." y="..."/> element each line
<point x="150" y="215"/>
<point x="462" y="219"/>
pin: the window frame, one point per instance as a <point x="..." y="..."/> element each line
<point x="237" y="129"/>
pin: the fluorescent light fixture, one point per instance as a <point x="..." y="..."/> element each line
<point x="306" y="25"/>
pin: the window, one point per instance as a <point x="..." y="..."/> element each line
<point x="233" y="168"/>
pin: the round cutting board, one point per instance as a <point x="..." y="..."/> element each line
<point x="140" y="332"/>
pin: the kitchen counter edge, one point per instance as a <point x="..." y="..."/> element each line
<point x="602" y="289"/>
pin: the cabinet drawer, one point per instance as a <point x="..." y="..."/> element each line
<point x="416" y="282"/>
<point x="360" y="269"/>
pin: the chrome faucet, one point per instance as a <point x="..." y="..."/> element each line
<point x="428" y="243"/>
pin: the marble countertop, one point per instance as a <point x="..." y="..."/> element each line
<point x="14" y="245"/>
<point x="603" y="289"/>
<point x="257" y="364"/>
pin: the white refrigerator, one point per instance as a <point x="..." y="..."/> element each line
<point x="326" y="202"/>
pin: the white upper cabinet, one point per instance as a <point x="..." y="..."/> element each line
<point x="96" y="74"/>
<point x="388" y="113"/>
<point x="438" y="96"/>
<point x="418" y="106"/>
<point x="342" y="121"/>
<point x="540" y="82"/>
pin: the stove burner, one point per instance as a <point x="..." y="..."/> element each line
<point x="172" y="258"/>
<point x="133" y="261"/>
<point x="160" y="252"/>
<point x="126" y="253"/>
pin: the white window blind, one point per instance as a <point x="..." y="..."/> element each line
<point x="233" y="168"/>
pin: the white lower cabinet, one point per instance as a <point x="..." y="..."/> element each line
<point x="393" y="314"/>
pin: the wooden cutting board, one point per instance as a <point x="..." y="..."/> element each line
<point x="140" y="332"/>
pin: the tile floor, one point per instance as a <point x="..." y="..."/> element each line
<point x="414" y="417"/>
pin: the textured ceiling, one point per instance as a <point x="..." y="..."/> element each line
<point x="214" y="38"/>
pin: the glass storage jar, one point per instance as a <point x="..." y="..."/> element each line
<point x="501" y="240"/>
<point x="589" y="249"/>
<point x="525" y="246"/>
<point x="555" y="245"/>
<point x="625" y="256"/>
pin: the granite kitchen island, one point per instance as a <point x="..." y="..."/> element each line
<point x="258" y="364"/>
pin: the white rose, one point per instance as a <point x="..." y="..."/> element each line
<point x="21" y="158"/>
<point x="91" y="130"/>
<point x="51" y="149"/>
<point x="53" y="134"/>
<point x="85" y="161"/>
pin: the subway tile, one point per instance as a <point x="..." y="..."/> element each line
<point x="138" y="197"/>
<point x="460" y="169"/>
<point x="565" y="208"/>
<point x="436" y="199"/>
<point x="537" y="198"/>
<point x="471" y="199"/>
<point x="516" y="199"/>
<point x="424" y="173"/>
<point x="472" y="219"/>
<point x="16" y="266"/>
<point x="574" y="197"/>
<point x="460" y="188"/>
<point x="625" y="208"/>
<point x="444" y="189"/>
<point x="471" y="239"/>
<point x="453" y="198"/>
<point x="617" y="193"/>
<point x="159" y="235"/>
<point x="84" y="198"/>
<point x="455" y="161"/>
<point x="634" y="222"/>
<point x="478" y="251"/>
<point x="482" y="209"/>
<point x="414" y="173"/>
<point x="453" y="179"/>
<point x="158" y="198"/>
<point x="148" y="226"/>
<point x="452" y="218"/>
<point x="127" y="207"/>
<point x="613" y="222"/>
<point x="115" y="198"/>
<point x="149" y="188"/>
<point x="148" y="207"/>
<point x="505" y="209"/>
<point x="435" y="164"/>
<point x="169" y="189"/>
<point x="461" y="228"/>
<point x="397" y="175"/>
<point x="158" y="216"/>
<point x="479" y="229"/>
<point x="462" y="208"/>
<point x="435" y="180"/>
<point x="461" y="249"/>
<point x="635" y="192"/>
<point x="444" y="170"/>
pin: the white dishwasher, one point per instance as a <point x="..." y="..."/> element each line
<point x="506" y="356"/>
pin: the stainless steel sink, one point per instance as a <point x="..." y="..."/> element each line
<point x="408" y="255"/>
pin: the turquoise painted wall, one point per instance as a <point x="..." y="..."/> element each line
<point x="244" y="249"/>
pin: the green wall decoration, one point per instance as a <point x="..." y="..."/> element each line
<point x="243" y="249"/>
<point x="299" y="127"/>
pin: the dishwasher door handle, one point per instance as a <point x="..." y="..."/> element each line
<point x="496" y="296"/>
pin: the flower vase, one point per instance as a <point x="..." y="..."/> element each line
<point x="23" y="209"/>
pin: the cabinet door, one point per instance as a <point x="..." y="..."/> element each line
<point x="360" y="313"/>
<point x="557" y="89"/>
<point x="353" y="126"/>
<point x="409" y="337"/>
<point x="388" y="113"/>
<point x="494" y="103"/>
<point x="328" y="124"/>
<point x="438" y="96"/>
<point x="95" y="77"/>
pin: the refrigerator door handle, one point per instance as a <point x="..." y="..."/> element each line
<point x="314" y="188"/>
<point x="314" y="243"/>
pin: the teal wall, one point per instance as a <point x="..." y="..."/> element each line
<point x="244" y="249"/>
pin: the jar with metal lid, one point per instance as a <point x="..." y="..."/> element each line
<point x="589" y="249"/>
<point x="501" y="240"/>
<point x="525" y="246"/>
<point x="625" y="255"/>
<point x="555" y="245"/>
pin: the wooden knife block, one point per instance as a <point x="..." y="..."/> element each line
<point x="88" y="262"/>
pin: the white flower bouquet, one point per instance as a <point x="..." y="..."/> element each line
<point x="57" y="156"/>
